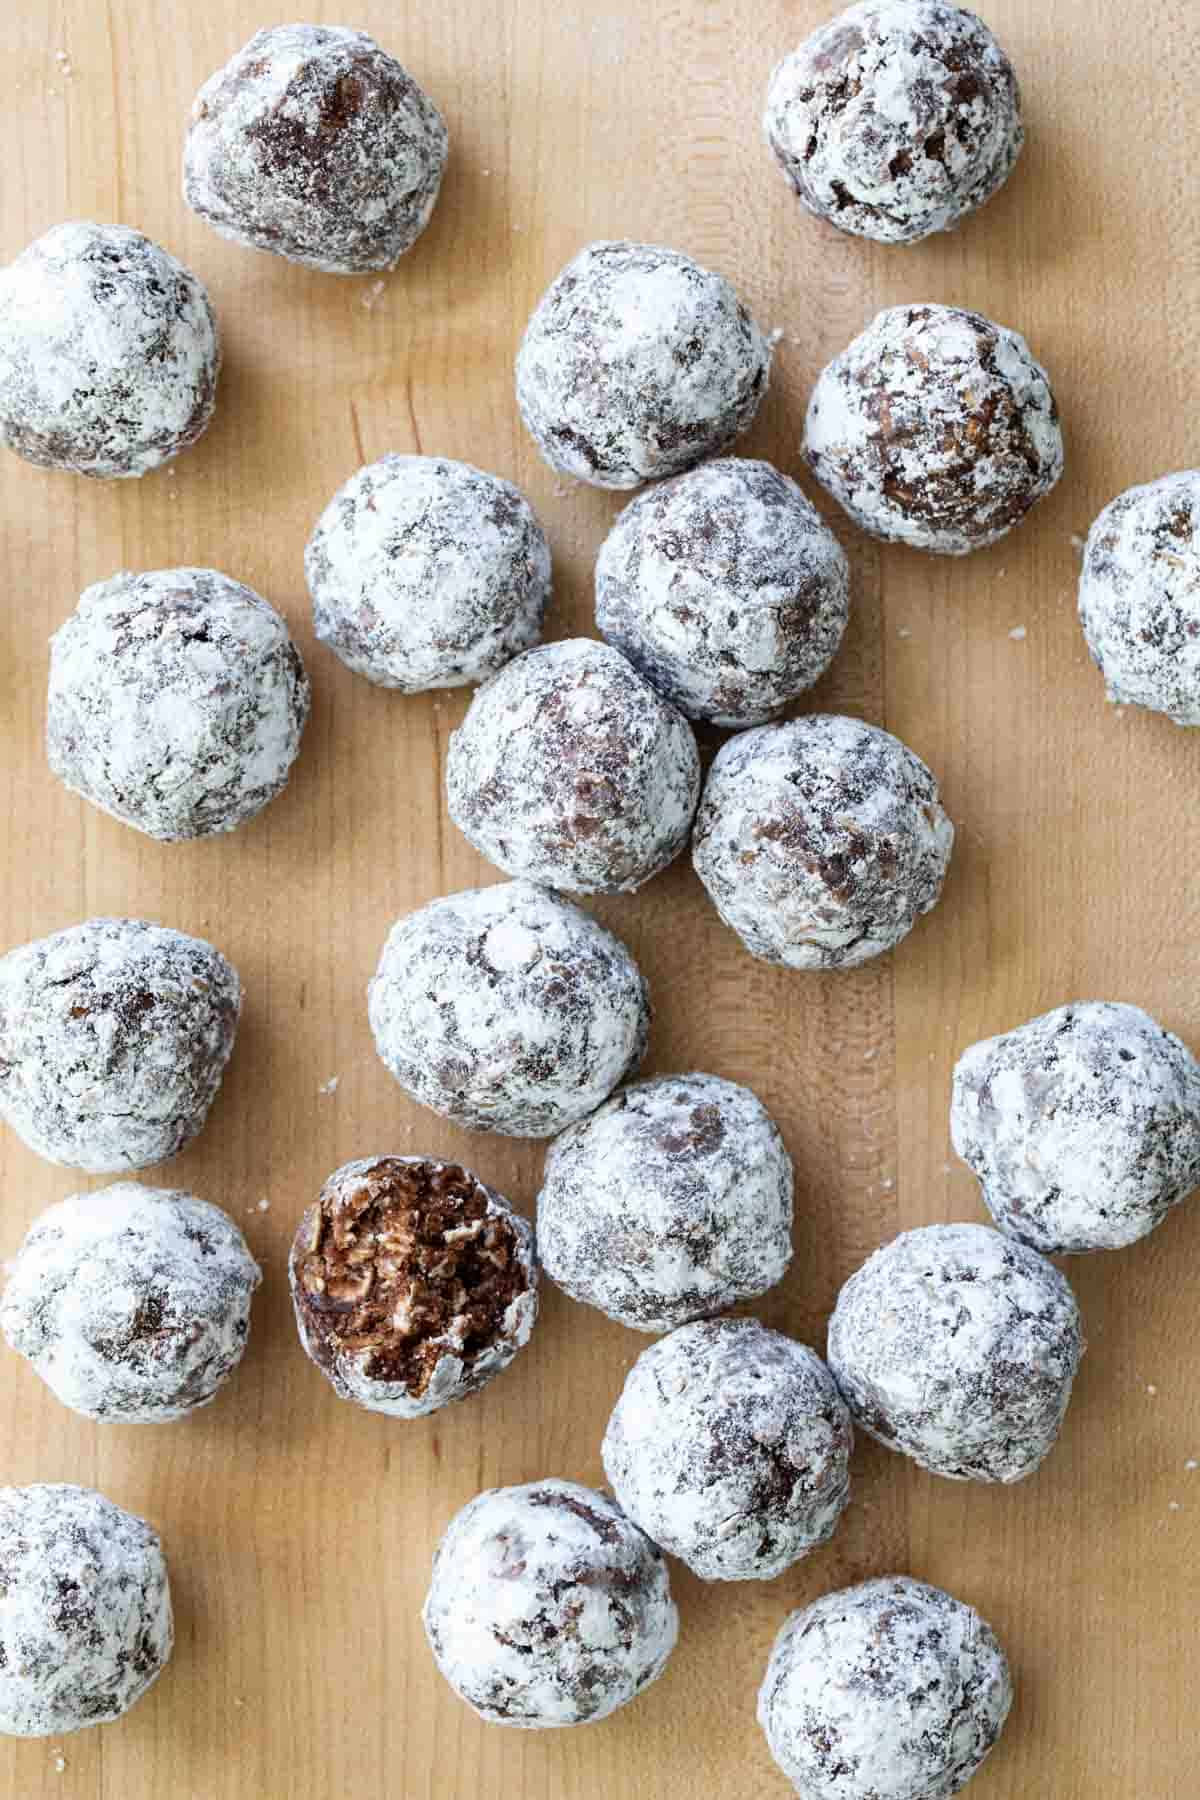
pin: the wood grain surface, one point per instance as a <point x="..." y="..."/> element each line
<point x="300" y="1529"/>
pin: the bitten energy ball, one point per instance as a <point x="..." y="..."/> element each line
<point x="427" y="573"/>
<point x="636" y="364"/>
<point x="897" y="119"/>
<point x="726" y="589"/>
<point x="730" y="1447"/>
<point x="935" y="428"/>
<point x="569" y="770"/>
<point x="548" y="1607"/>
<point x="672" y="1202"/>
<point x="133" y="1304"/>
<point x="315" y="143"/>
<point x="1083" y="1126"/>
<point x="958" y="1346"/>
<point x="413" y="1283"/>
<point x="85" y="1609"/>
<point x="108" y="353"/>
<point x="177" y="702"/>
<point x="891" y="1690"/>
<point x="114" y="1036"/>
<point x="821" y="841"/>
<point x="506" y="1009"/>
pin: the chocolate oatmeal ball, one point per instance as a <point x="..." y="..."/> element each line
<point x="85" y="1609"/>
<point x="672" y="1202"/>
<point x="891" y="1690"/>
<point x="726" y="589"/>
<point x="548" y="1607"/>
<point x="413" y="1283"/>
<point x="730" y="1447"/>
<point x="507" y="1009"/>
<point x="637" y="364"/>
<point x="108" y="353"/>
<point x="821" y="841"/>
<point x="897" y="119"/>
<point x="1083" y="1126"/>
<point x="935" y="428"/>
<point x="177" y="702"/>
<point x="315" y="143"/>
<point x="114" y="1036"/>
<point x="427" y="573"/>
<point x="569" y="770"/>
<point x="958" y="1346"/>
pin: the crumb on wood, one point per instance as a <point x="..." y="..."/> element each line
<point x="263" y="1205"/>
<point x="904" y="631"/>
<point x="371" y="298"/>
<point x="1018" y="634"/>
<point x="330" y="1086"/>
<point x="1078" y="544"/>
<point x="1151" y="1389"/>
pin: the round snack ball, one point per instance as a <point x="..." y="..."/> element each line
<point x="958" y="1346"/>
<point x="891" y="1690"/>
<point x="427" y="573"/>
<point x="726" y="589"/>
<point x="730" y="1447"/>
<point x="569" y="770"/>
<point x="896" y="119"/>
<point x="636" y="364"/>
<point x="672" y="1202"/>
<point x="413" y="1283"/>
<point x="177" y="702"/>
<point x="1083" y="1126"/>
<point x="108" y="353"/>
<point x="315" y="143"/>
<point x="821" y="841"/>
<point x="133" y="1303"/>
<point x="507" y="1009"/>
<point x="935" y="428"/>
<point x="548" y="1607"/>
<point x="85" y="1609"/>
<point x="114" y="1036"/>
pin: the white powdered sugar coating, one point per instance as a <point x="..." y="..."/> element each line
<point x="896" y="119"/>
<point x="671" y="1202"/>
<point x="507" y="1009"/>
<point x="636" y="364"/>
<point x="177" y="702"/>
<point x="114" y="1036"/>
<point x="133" y="1303"/>
<point x="548" y="1607"/>
<point x="108" y="352"/>
<point x="935" y="428"/>
<point x="730" y="1447"/>
<point x="570" y="771"/>
<point x="1083" y="1126"/>
<point x="891" y="1690"/>
<point x="85" y="1609"/>
<point x="1139" y="596"/>
<point x="958" y="1346"/>
<point x="427" y="573"/>
<point x="726" y="589"/>
<point x="821" y="841"/>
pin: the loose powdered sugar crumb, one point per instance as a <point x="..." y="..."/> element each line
<point x="330" y="1086"/>
<point x="1018" y="634"/>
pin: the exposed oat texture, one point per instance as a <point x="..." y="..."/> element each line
<point x="85" y="1609"/>
<point x="958" y="1346"/>
<point x="935" y="428"/>
<point x="177" y="702"/>
<point x="636" y="364"/>
<point x="821" y="841"/>
<point x="570" y="771"/>
<point x="109" y="353"/>
<point x="891" y="1690"/>
<point x="314" y="143"/>
<point x="413" y="1283"/>
<point x="427" y="573"/>
<point x="114" y="1036"/>
<point x="896" y="119"/>
<point x="730" y="1447"/>
<point x="672" y="1202"/>
<point x="548" y="1607"/>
